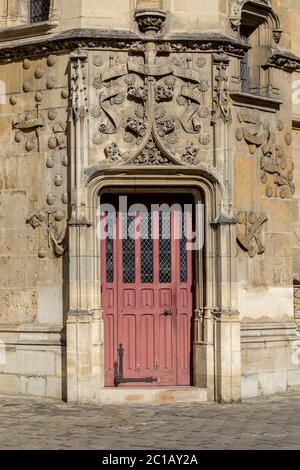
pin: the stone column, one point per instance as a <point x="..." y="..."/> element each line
<point x="84" y="322"/>
<point x="227" y="323"/>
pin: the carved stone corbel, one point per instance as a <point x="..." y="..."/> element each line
<point x="150" y="20"/>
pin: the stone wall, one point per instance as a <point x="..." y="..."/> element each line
<point x="86" y="101"/>
<point x="33" y="213"/>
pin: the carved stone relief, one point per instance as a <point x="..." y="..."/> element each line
<point x="43" y="130"/>
<point x="221" y="100"/>
<point x="28" y="126"/>
<point x="151" y="109"/>
<point x="276" y="168"/>
<point x="249" y="232"/>
<point x="54" y="221"/>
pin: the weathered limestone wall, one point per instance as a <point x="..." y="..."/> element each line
<point x="265" y="182"/>
<point x="117" y="14"/>
<point x="33" y="212"/>
<point x="13" y="12"/>
<point x="258" y="149"/>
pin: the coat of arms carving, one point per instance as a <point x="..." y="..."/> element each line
<point x="152" y="109"/>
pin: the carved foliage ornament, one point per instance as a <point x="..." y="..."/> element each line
<point x="150" y="20"/>
<point x="162" y="118"/>
<point x="196" y="44"/>
<point x="249" y="232"/>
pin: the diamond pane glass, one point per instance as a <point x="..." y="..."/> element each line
<point x="146" y="248"/>
<point x="164" y="247"/>
<point x="183" y="252"/>
<point x="128" y="248"/>
<point x="39" y="10"/>
<point x="109" y="248"/>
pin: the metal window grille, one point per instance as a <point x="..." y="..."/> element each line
<point x="128" y="249"/>
<point x="244" y="63"/>
<point x="164" y="247"/>
<point x="244" y="73"/>
<point x="183" y="251"/>
<point x="39" y="10"/>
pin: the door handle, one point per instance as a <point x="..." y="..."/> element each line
<point x="168" y="312"/>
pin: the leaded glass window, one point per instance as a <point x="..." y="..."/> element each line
<point x="146" y="248"/>
<point x="39" y="10"/>
<point x="164" y="247"/>
<point x="128" y="248"/>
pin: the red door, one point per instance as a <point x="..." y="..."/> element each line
<point x="147" y="291"/>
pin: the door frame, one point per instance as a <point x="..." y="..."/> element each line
<point x="171" y="196"/>
<point x="216" y="345"/>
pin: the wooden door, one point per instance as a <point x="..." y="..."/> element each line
<point x="147" y="279"/>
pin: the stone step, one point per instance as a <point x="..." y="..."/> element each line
<point x="153" y="395"/>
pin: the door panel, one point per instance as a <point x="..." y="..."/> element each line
<point x="147" y="296"/>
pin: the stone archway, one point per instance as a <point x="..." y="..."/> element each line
<point x="216" y="360"/>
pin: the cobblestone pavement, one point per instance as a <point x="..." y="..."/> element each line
<point x="269" y="423"/>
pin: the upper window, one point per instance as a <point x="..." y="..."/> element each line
<point x="39" y="10"/>
<point x="257" y="28"/>
<point x="244" y="63"/>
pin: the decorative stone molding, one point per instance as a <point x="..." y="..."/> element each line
<point x="90" y="38"/>
<point x="261" y="103"/>
<point x="249" y="232"/>
<point x="284" y="61"/>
